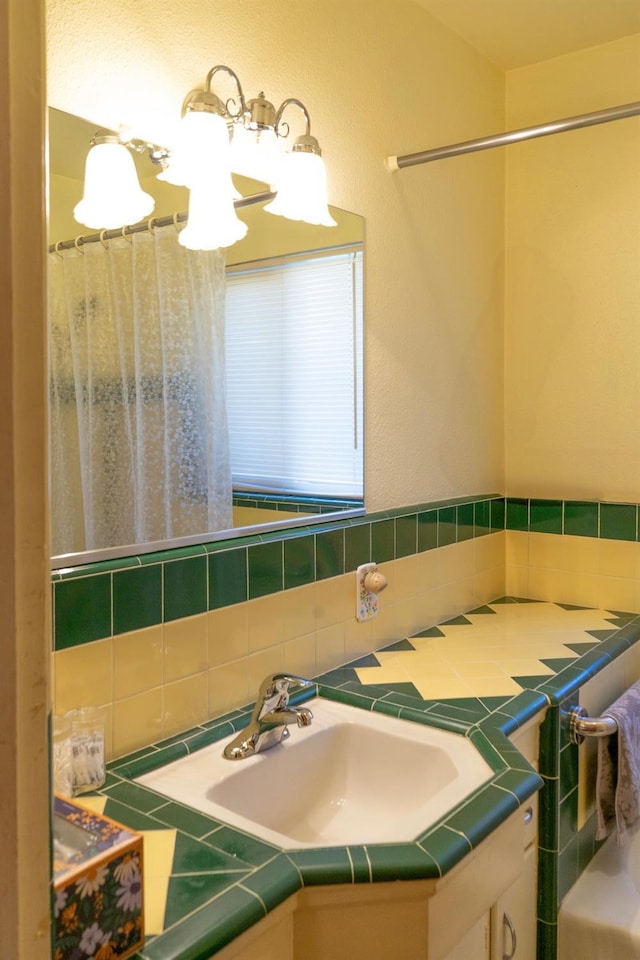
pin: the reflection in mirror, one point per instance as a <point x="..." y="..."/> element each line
<point x="195" y="394"/>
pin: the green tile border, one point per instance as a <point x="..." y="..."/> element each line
<point x="94" y="601"/>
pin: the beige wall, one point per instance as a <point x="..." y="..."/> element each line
<point x="24" y="596"/>
<point x="573" y="282"/>
<point x="378" y="79"/>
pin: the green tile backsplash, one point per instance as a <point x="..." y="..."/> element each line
<point x="116" y="596"/>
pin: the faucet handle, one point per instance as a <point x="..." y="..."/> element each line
<point x="274" y="690"/>
<point x="281" y="682"/>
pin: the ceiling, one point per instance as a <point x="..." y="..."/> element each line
<point x="514" y="33"/>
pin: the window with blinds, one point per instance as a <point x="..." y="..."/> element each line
<point x="293" y="347"/>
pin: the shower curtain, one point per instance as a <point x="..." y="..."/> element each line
<point x="138" y="428"/>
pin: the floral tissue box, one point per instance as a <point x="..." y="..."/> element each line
<point x="97" y="870"/>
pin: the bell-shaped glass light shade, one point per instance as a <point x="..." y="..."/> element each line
<point x="112" y="196"/>
<point x="256" y="154"/>
<point x="302" y="190"/>
<point x="212" y="220"/>
<point x="202" y="137"/>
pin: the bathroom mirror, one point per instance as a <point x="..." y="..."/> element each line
<point x="270" y="242"/>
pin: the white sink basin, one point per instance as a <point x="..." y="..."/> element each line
<point x="352" y="777"/>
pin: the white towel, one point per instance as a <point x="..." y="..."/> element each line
<point x="618" y="777"/>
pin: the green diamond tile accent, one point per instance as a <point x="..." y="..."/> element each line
<point x="240" y="845"/>
<point x="580" y="518"/>
<point x="618" y="521"/>
<point x="228" y="582"/>
<point x="545" y="516"/>
<point x="137" y="598"/>
<point x="82" y="610"/>
<point x="299" y="561"/>
<point x="265" y="569"/>
<point x="185" y="588"/>
<point x="187" y="893"/>
<point x="329" y="554"/>
<point x="274" y="882"/>
<point x="389" y="861"/>
<point x="192" y="856"/>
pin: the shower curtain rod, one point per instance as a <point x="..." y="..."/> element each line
<point x="514" y="136"/>
<point x="149" y="224"/>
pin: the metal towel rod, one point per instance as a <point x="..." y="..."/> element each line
<point x="514" y="136"/>
<point x="581" y="725"/>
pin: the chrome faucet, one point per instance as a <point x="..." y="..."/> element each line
<point x="271" y="717"/>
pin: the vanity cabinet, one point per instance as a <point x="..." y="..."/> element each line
<point x="513" y="918"/>
<point x="508" y="929"/>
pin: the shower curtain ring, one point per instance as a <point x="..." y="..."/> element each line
<point x="176" y="221"/>
<point x="151" y="224"/>
<point x="77" y="244"/>
<point x="56" y="249"/>
<point x="124" y="234"/>
<point x="102" y="240"/>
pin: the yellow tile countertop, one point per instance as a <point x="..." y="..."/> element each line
<point x="482" y="675"/>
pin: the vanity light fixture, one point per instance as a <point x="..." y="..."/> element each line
<point x="217" y="138"/>
<point x="112" y="193"/>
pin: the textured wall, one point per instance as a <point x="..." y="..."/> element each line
<point x="378" y="78"/>
<point x="573" y="282"/>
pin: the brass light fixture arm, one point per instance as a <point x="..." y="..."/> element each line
<point x="232" y="114"/>
<point x="281" y="127"/>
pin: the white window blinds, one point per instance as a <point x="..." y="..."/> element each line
<point x="293" y="346"/>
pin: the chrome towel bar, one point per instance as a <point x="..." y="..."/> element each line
<point x="581" y="726"/>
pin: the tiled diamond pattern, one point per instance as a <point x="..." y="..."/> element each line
<point x="483" y="654"/>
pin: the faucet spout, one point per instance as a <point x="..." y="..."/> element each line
<point x="272" y="715"/>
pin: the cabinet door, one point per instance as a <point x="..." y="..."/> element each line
<point x="475" y="943"/>
<point x="514" y="916"/>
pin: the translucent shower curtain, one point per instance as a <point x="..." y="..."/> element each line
<point x="138" y="427"/>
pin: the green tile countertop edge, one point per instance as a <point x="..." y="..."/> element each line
<point x="266" y="876"/>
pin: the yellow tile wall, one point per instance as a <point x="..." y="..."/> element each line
<point x="581" y="570"/>
<point x="162" y="680"/>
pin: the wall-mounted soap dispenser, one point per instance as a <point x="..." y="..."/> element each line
<point x="369" y="583"/>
